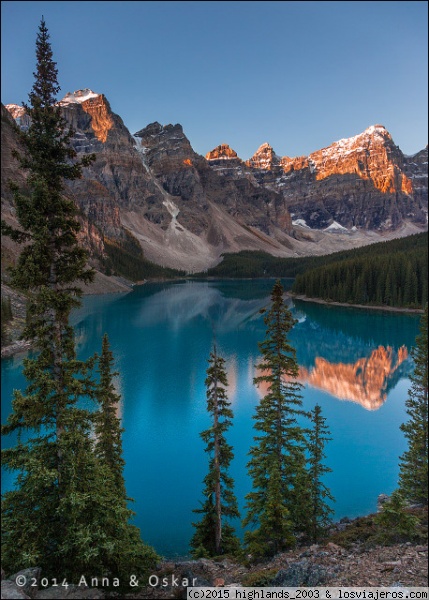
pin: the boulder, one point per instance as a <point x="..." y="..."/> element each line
<point x="382" y="499"/>
<point x="11" y="591"/>
<point x="72" y="592"/>
<point x="30" y="577"/>
<point x="301" y="574"/>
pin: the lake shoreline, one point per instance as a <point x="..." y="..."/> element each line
<point x="123" y="286"/>
<point x="347" y="305"/>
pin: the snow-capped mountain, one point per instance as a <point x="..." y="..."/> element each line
<point x="185" y="210"/>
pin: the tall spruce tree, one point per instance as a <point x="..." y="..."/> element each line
<point x="62" y="512"/>
<point x="213" y="534"/>
<point x="413" y="476"/>
<point x="320" y="512"/>
<point x="277" y="464"/>
<point x="108" y="430"/>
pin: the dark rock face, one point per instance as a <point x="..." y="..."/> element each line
<point x="416" y="169"/>
<point x="168" y="155"/>
<point x="9" y="144"/>
<point x="197" y="181"/>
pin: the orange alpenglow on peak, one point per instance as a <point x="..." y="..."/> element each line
<point x="370" y="155"/>
<point x="15" y="110"/>
<point x="187" y="162"/>
<point x="221" y="152"/>
<point x="95" y="105"/>
<point x="264" y="158"/>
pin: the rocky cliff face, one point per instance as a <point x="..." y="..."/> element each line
<point x="363" y="182"/>
<point x="9" y="173"/>
<point x="265" y="159"/>
<point x="186" y="209"/>
<point x="18" y="114"/>
<point x="416" y="169"/>
<point x="214" y="197"/>
<point x="117" y="179"/>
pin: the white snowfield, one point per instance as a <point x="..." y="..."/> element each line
<point x="334" y="226"/>
<point x="78" y="97"/>
<point x="301" y="222"/>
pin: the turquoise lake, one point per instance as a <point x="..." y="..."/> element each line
<point x="355" y="363"/>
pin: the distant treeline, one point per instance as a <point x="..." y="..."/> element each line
<point x="390" y="273"/>
<point x="250" y="263"/>
<point x="393" y="273"/>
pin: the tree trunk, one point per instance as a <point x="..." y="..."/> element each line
<point x="218" y="507"/>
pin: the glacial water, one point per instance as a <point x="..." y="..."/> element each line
<point x="354" y="363"/>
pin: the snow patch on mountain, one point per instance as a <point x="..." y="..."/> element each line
<point x="349" y="145"/>
<point x="301" y="222"/>
<point x="334" y="226"/>
<point x="78" y="97"/>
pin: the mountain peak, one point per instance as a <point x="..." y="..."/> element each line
<point x="374" y="131"/>
<point x="15" y="110"/>
<point x="221" y="152"/>
<point x="376" y="128"/>
<point x="264" y="146"/>
<point x="78" y="96"/>
<point x="264" y="158"/>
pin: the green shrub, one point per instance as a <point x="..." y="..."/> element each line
<point x="260" y="578"/>
<point x="395" y="523"/>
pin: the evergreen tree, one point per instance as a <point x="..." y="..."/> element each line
<point x="320" y="510"/>
<point x="394" y="523"/>
<point x="108" y="431"/>
<point x="277" y="464"/>
<point x="413" y="477"/>
<point x="63" y="514"/>
<point x="213" y="535"/>
<point x="6" y="317"/>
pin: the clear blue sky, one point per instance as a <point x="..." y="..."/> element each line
<point x="298" y="75"/>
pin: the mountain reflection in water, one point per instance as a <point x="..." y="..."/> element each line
<point x="366" y="381"/>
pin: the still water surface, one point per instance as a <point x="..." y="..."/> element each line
<point x="354" y="363"/>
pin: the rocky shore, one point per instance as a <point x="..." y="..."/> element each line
<point x="332" y="565"/>
<point x="101" y="285"/>
<point x="348" y="305"/>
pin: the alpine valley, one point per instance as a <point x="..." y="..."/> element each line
<point x="151" y="190"/>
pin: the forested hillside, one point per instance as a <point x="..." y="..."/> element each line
<point x="260" y="264"/>
<point x="391" y="273"/>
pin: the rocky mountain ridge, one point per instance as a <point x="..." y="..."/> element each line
<point x="186" y="210"/>
<point x="360" y="182"/>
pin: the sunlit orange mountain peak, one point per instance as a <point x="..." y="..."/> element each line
<point x="371" y="155"/>
<point x="264" y="158"/>
<point x="96" y="106"/>
<point x="15" y="110"/>
<point x="223" y="151"/>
